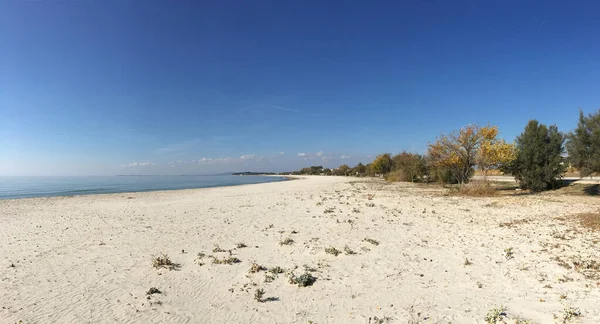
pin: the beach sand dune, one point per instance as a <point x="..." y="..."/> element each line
<point x="409" y="254"/>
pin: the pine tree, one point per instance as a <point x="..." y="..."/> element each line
<point x="539" y="162"/>
<point x="583" y="144"/>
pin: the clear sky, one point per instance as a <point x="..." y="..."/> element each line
<point x="180" y="87"/>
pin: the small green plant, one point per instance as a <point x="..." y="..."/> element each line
<point x="287" y="241"/>
<point x="259" y="294"/>
<point x="332" y="250"/>
<point x="509" y="254"/>
<point x="304" y="280"/>
<point x="163" y="261"/>
<point x="153" y="291"/>
<point x="269" y="278"/>
<point x="329" y="211"/>
<point x="348" y="250"/>
<point x="569" y="313"/>
<point x="370" y="240"/>
<point x="276" y="270"/>
<point x="496" y="316"/>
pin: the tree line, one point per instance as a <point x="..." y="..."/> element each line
<point x="537" y="159"/>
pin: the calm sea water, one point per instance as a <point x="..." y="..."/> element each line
<point x="25" y="187"/>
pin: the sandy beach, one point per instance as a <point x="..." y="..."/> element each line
<point x="408" y="254"/>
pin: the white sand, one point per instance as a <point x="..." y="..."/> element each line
<point x="88" y="258"/>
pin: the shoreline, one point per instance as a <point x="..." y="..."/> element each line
<point x="282" y="179"/>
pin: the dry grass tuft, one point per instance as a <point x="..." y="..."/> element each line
<point x="259" y="295"/>
<point x="218" y="249"/>
<point x="515" y="222"/>
<point x="229" y="260"/>
<point x="255" y="267"/>
<point x="477" y="189"/>
<point x="590" y="220"/>
<point x="370" y="240"/>
<point x="153" y="291"/>
<point x="287" y="241"/>
<point x="163" y="261"/>
<point x="332" y="250"/>
<point x="348" y="250"/>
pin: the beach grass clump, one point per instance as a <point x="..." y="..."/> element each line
<point x="496" y="315"/>
<point x="348" y="250"/>
<point x="477" y="189"/>
<point x="230" y="260"/>
<point x="570" y="313"/>
<point x="370" y="240"/>
<point x="255" y="267"/>
<point x="259" y="295"/>
<point x="163" y="261"/>
<point x="509" y="254"/>
<point x="218" y="249"/>
<point x="329" y="211"/>
<point x="241" y="245"/>
<point x="332" y="250"/>
<point x="200" y="258"/>
<point x="287" y="241"/>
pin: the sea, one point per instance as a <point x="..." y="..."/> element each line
<point x="28" y="187"/>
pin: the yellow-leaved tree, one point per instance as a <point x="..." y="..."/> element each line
<point x="458" y="153"/>
<point x="493" y="152"/>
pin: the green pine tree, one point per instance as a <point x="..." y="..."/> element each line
<point x="539" y="164"/>
<point x="583" y="144"/>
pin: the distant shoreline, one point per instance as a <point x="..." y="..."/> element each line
<point x="68" y="188"/>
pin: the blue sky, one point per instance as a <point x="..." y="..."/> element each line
<point x="163" y="87"/>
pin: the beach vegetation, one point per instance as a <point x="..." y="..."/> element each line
<point x="287" y="241"/>
<point x="583" y="145"/>
<point x="303" y="280"/>
<point x="332" y="250"/>
<point x="163" y="261"/>
<point x="370" y="240"/>
<point x="539" y="162"/>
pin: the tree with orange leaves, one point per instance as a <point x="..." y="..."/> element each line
<point x="461" y="151"/>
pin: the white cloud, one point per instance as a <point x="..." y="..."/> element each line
<point x="301" y="154"/>
<point x="320" y="153"/>
<point x="136" y="164"/>
<point x="214" y="161"/>
<point x="281" y="153"/>
<point x="343" y="157"/>
<point x="247" y="157"/>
